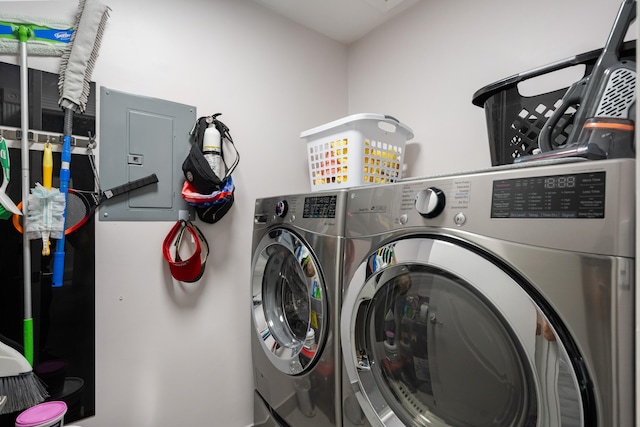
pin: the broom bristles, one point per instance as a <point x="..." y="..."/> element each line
<point x="23" y="391"/>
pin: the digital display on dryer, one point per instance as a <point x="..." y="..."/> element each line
<point x="320" y="207"/>
<point x="556" y="196"/>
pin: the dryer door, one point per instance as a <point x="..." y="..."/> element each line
<point x="434" y="334"/>
<point x="288" y="301"/>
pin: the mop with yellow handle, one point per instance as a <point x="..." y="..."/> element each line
<point x="46" y="206"/>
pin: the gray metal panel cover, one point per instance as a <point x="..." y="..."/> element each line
<point x="140" y="136"/>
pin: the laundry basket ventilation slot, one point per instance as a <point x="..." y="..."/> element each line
<point x="329" y="162"/>
<point x="356" y="150"/>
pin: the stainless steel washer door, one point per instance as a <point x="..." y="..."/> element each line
<point x="288" y="301"/>
<point x="434" y="334"/>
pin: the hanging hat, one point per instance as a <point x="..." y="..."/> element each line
<point x="213" y="206"/>
<point x="186" y="256"/>
<point x="215" y="211"/>
<point x="194" y="198"/>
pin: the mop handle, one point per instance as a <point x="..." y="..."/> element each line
<point x="65" y="174"/>
<point x="27" y="323"/>
<point x="47" y="166"/>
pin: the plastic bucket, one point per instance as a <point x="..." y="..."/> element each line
<point x="53" y="373"/>
<point x="48" y="414"/>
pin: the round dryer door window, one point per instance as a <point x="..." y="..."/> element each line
<point x="288" y="301"/>
<point x="435" y="334"/>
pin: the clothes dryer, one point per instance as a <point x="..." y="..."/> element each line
<point x="497" y="298"/>
<point x="296" y="274"/>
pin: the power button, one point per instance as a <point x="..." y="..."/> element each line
<point x="459" y="219"/>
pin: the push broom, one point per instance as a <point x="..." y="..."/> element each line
<point x="48" y="38"/>
<point x="74" y="83"/>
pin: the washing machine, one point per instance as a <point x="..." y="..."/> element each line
<point x="297" y="267"/>
<point x="503" y="297"/>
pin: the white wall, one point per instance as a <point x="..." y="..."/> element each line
<point x="171" y="354"/>
<point x="178" y="355"/>
<point x="425" y="66"/>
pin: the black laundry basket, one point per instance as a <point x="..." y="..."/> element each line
<point x="514" y="121"/>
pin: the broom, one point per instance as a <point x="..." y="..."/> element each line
<point x="74" y="84"/>
<point x="22" y="388"/>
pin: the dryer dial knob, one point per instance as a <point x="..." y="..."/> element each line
<point x="430" y="202"/>
<point x="281" y="208"/>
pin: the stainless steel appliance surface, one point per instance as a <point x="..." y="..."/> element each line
<point x="502" y="297"/>
<point x="296" y="272"/>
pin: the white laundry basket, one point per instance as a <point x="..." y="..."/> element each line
<point x="361" y="149"/>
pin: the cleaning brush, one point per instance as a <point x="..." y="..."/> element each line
<point x="45" y="207"/>
<point x="22" y="388"/>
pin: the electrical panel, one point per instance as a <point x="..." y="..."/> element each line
<point x="140" y="136"/>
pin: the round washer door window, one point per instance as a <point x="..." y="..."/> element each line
<point x="433" y="334"/>
<point x="288" y="301"/>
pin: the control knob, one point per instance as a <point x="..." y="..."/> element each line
<point x="281" y="208"/>
<point x="430" y="202"/>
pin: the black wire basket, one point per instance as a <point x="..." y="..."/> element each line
<point x="514" y="121"/>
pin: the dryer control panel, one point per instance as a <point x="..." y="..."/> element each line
<point x="579" y="195"/>
<point x="532" y="205"/>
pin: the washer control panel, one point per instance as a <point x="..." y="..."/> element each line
<point x="318" y="212"/>
<point x="531" y="204"/>
<point x="320" y="206"/>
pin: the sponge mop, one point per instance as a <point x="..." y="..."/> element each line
<point x="45" y="207"/>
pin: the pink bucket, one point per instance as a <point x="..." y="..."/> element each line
<point x="48" y="414"/>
